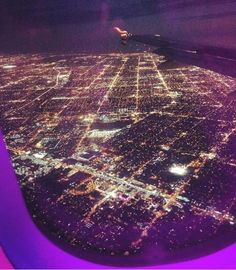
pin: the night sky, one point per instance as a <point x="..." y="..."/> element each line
<point x="86" y="25"/>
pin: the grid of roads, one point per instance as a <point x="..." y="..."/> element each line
<point x="120" y="155"/>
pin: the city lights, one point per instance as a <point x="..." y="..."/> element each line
<point x="122" y="150"/>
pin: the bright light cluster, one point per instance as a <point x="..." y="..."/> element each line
<point x="178" y="169"/>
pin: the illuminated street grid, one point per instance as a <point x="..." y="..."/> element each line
<point x="118" y="155"/>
